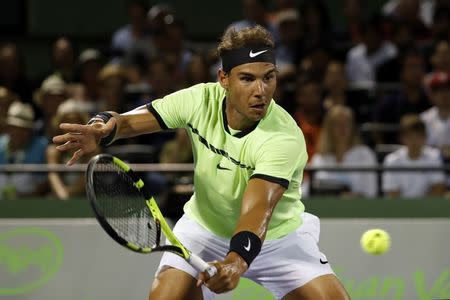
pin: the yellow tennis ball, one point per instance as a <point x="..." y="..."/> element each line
<point x="375" y="241"/>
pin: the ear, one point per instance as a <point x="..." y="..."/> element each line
<point x="223" y="78"/>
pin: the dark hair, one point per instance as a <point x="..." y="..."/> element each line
<point x="234" y="39"/>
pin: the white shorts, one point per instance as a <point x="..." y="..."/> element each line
<point x="282" y="265"/>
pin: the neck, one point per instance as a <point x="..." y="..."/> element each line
<point x="341" y="148"/>
<point x="236" y="120"/>
<point x="414" y="153"/>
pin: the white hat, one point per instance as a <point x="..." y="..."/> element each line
<point x="21" y="115"/>
<point x="53" y="85"/>
<point x="89" y="55"/>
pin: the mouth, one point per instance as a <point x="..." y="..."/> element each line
<point x="259" y="106"/>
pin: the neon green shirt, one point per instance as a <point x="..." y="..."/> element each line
<point x="274" y="150"/>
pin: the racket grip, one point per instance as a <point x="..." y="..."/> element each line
<point x="201" y="265"/>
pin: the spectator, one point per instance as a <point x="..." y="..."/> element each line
<point x="408" y="12"/>
<point x="52" y="93"/>
<point x="414" y="153"/>
<point x="315" y="61"/>
<point x="90" y="64"/>
<point x="126" y="37"/>
<point x="197" y="70"/>
<point x="289" y="49"/>
<point x="112" y="80"/>
<point x="309" y="112"/>
<point x="340" y="145"/>
<point x="410" y="97"/>
<point x="6" y="98"/>
<point x="65" y="185"/>
<point x="63" y="61"/>
<point x="21" y="146"/>
<point x="437" y="118"/>
<point x="316" y="23"/>
<point x="364" y="59"/>
<point x="424" y="10"/>
<point x="255" y="13"/>
<point x="175" y="52"/>
<point x="12" y="72"/>
<point x="335" y="85"/>
<point x="440" y="59"/>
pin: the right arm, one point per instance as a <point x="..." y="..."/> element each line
<point x="84" y="139"/>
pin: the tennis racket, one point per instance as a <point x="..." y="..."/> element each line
<point x="129" y="214"/>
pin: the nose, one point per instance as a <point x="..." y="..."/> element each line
<point x="260" y="88"/>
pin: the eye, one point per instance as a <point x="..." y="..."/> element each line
<point x="247" y="78"/>
<point x="269" y="77"/>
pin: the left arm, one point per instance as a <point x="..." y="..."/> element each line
<point x="258" y="202"/>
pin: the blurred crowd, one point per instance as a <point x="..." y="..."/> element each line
<point x="372" y="91"/>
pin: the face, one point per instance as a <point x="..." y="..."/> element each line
<point x="21" y="136"/>
<point x="413" y="140"/>
<point x="441" y="57"/>
<point x="413" y="70"/>
<point x="342" y="127"/>
<point x="335" y="78"/>
<point x="308" y="96"/>
<point x="250" y="88"/>
<point x="441" y="98"/>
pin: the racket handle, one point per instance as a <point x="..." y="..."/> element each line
<point x="202" y="266"/>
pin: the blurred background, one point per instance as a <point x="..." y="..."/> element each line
<point x="368" y="82"/>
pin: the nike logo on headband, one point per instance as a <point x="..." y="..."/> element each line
<point x="255" y="54"/>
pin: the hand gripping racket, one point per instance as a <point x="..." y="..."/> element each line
<point x="129" y="214"/>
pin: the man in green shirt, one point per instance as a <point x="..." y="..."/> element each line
<point x="245" y="215"/>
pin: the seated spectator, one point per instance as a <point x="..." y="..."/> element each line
<point x="65" y="185"/>
<point x="112" y="80"/>
<point x="13" y="73"/>
<point x="63" y="60"/>
<point x="6" y="98"/>
<point x="21" y="146"/>
<point x="339" y="145"/>
<point x="90" y="64"/>
<point x="52" y="93"/>
<point x="437" y="118"/>
<point x="335" y="85"/>
<point x="440" y="59"/>
<point x="255" y="13"/>
<point x="410" y="97"/>
<point x="409" y="12"/>
<point x="414" y="153"/>
<point x="126" y="37"/>
<point x="315" y="23"/>
<point x="197" y="71"/>
<point x="309" y="112"/>
<point x="289" y="50"/>
<point x="364" y="59"/>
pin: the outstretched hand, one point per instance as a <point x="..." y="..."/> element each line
<point x="82" y="139"/>
<point x="229" y="272"/>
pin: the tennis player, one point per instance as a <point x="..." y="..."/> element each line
<point x="245" y="216"/>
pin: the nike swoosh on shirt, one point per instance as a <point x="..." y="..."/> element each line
<point x="248" y="246"/>
<point x="222" y="168"/>
<point x="254" y="54"/>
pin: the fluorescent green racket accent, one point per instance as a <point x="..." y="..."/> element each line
<point x="121" y="164"/>
<point x="165" y="227"/>
<point x="133" y="246"/>
<point x="139" y="184"/>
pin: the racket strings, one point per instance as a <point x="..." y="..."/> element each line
<point x="123" y="206"/>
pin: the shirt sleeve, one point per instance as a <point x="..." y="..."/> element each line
<point x="176" y="109"/>
<point x="279" y="158"/>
